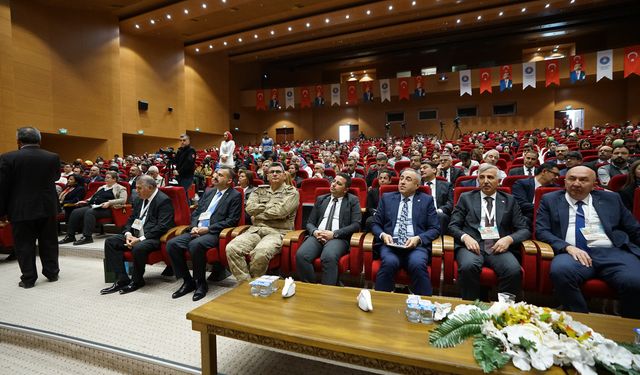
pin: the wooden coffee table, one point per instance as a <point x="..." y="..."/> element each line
<point x="325" y="322"/>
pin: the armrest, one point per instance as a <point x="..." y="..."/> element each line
<point x="448" y="255"/>
<point x="120" y="214"/>
<point x="294" y="236"/>
<point x="367" y="252"/>
<point x="544" y="258"/>
<point x="355" y="253"/>
<point x="545" y="250"/>
<point x="437" y="247"/>
<point x="239" y="230"/>
<point x="290" y="244"/>
<point x="173" y="232"/>
<point x="529" y="252"/>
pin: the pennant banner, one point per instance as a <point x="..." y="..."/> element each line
<point x="385" y="92"/>
<point x="290" y="98"/>
<point x="605" y="65"/>
<point x="305" y="101"/>
<point x="465" y="82"/>
<point x="319" y="100"/>
<point x="419" y="92"/>
<point x="403" y="88"/>
<point x="576" y="66"/>
<point x="352" y="93"/>
<point x="367" y="92"/>
<point x="552" y="72"/>
<point x="335" y="94"/>
<point x="485" y="80"/>
<point x="260" y="105"/>
<point x="528" y="75"/>
<point x="631" y="61"/>
<point x="274" y="103"/>
<point x="506" y="77"/>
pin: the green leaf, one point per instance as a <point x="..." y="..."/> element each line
<point x="633" y="348"/>
<point x="615" y="369"/>
<point x="454" y="331"/>
<point x="527" y="344"/>
<point x="488" y="353"/>
<point x="481" y="305"/>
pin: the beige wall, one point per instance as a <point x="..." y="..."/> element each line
<point x="7" y="124"/>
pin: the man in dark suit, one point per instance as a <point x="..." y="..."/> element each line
<point x="441" y="191"/>
<point x="152" y="217"/>
<point x="373" y="197"/>
<point x="529" y="167"/>
<point x="94" y="175"/>
<point x="447" y="171"/>
<point x="525" y="190"/>
<point x="351" y="168"/>
<point x="28" y="197"/>
<point x="592" y="235"/>
<point x="406" y="222"/>
<point x="487" y="227"/>
<point x="219" y="208"/>
<point x="334" y="218"/>
<point x="381" y="164"/>
<point x="604" y="157"/>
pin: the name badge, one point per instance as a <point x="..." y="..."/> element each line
<point x="489" y="233"/>
<point x="137" y="224"/>
<point x="594" y="233"/>
<point x="204" y="216"/>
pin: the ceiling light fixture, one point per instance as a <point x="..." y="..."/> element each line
<point x="390" y="7"/>
<point x="326" y="20"/>
<point x="204" y="6"/>
<point x="272" y="32"/>
<point x="240" y="40"/>
<point x="210" y="46"/>
<point x="368" y="12"/>
<point x="479" y="18"/>
<point x="572" y="1"/>
<point x="523" y="10"/>
<point x="137" y="26"/>
<point x="197" y="49"/>
<point x="255" y="36"/>
<point x="153" y="22"/>
<point x="224" y="1"/>
<point x="413" y="3"/>
<point x="501" y="14"/>
<point x="289" y="28"/>
<point x="346" y="17"/>
<point x="548" y="5"/>
<point x="539" y="49"/>
<point x="168" y="16"/>
<point x="308" y="24"/>
<point x="225" y="43"/>
<point x="186" y="11"/>
<point x="458" y="20"/>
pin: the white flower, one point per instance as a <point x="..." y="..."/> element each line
<point x="520" y="359"/>
<point x="527" y="331"/>
<point x="498" y="308"/>
<point x="442" y="309"/>
<point x="541" y="359"/>
<point x="489" y="329"/>
<point x="463" y="310"/>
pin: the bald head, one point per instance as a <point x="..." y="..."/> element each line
<point x="579" y="182"/>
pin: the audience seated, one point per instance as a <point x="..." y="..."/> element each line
<point x="351" y="168"/>
<point x="466" y="163"/>
<point x="593" y="236"/>
<point x="318" y="172"/>
<point x="293" y="169"/>
<point x="491" y="157"/>
<point x="446" y="170"/>
<point x="219" y="208"/>
<point x="152" y="216"/>
<point x="273" y="210"/>
<point x="333" y="219"/>
<point x="488" y="227"/>
<point x="397" y="156"/>
<point x="381" y="163"/>
<point x="633" y="182"/>
<point x="406" y="223"/>
<point x="524" y="190"/>
<point x="529" y="167"/>
<point x="619" y="165"/>
<point x="373" y="196"/>
<point x="442" y="192"/>
<point x="573" y="159"/>
<point x="72" y="193"/>
<point x="94" y="175"/>
<point x="84" y="216"/>
<point x="604" y="157"/>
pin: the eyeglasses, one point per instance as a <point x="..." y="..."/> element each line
<point x="275" y="171"/>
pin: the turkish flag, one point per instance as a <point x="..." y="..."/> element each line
<point x="485" y="80"/>
<point x="631" y="60"/>
<point x="552" y="72"/>
<point x="403" y="88"/>
<point x="306" y="98"/>
<point x="260" y="100"/>
<point x="352" y="92"/>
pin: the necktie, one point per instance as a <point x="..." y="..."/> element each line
<point x="212" y="209"/>
<point x="332" y="212"/>
<point x="489" y="223"/>
<point x="404" y="215"/>
<point x="529" y="172"/>
<point x="581" y="242"/>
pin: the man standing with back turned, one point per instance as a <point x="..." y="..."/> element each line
<point x="28" y="197"/>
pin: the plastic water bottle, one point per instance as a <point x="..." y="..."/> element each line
<point x="413" y="313"/>
<point x="426" y="312"/>
<point x="637" y="339"/>
<point x="265" y="290"/>
<point x="255" y="290"/>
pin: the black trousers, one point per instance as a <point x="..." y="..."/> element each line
<point x="329" y="253"/>
<point x="197" y="247"/>
<point x="114" y="254"/>
<point x="25" y="234"/>
<point x="84" y="218"/>
<point x="185" y="182"/>
<point x="505" y="265"/>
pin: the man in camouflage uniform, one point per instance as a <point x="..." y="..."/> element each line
<point x="273" y="212"/>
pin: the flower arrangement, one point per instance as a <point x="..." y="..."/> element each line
<point x="533" y="337"/>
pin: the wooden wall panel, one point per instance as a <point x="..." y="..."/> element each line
<point x="7" y="124"/>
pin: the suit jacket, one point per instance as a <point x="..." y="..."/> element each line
<point x="509" y="220"/>
<point x="226" y="214"/>
<point x="95" y="179"/>
<point x="524" y="190"/>
<point x="444" y="196"/>
<point x="373" y="174"/>
<point x="357" y="175"/>
<point x="519" y="171"/>
<point x="620" y="226"/>
<point x="159" y="217"/>
<point x="349" y="220"/>
<point x="373" y="197"/>
<point x="426" y="224"/>
<point x="27" y="183"/>
<point x="455" y="173"/>
<point x="473" y="182"/>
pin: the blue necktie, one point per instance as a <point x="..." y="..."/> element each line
<point x="581" y="242"/>
<point x="212" y="209"/>
<point x="404" y="216"/>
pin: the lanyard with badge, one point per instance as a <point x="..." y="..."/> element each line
<point x="488" y="233"/>
<point x="137" y="223"/>
<point x="592" y="230"/>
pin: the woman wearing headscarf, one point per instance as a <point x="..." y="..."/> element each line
<point x="227" y="147"/>
<point x="71" y="194"/>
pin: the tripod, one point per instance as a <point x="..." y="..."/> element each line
<point x="442" y="136"/>
<point x="456" y="129"/>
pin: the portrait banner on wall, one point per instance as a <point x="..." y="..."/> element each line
<point x="419" y="91"/>
<point x="506" y="77"/>
<point x="576" y="66"/>
<point x="318" y="101"/>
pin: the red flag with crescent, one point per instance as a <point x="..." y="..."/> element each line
<point x="260" y="105"/>
<point x="352" y="92"/>
<point x="632" y="60"/>
<point x="552" y="72"/>
<point x="485" y="80"/>
<point x="305" y="96"/>
<point x="403" y="88"/>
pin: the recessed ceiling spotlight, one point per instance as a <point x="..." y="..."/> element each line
<point x="186" y="11"/>
<point x="390" y="7"/>
<point x="225" y="43"/>
<point x="137" y="26"/>
<point x="572" y="1"/>
<point x="204" y="6"/>
<point x="240" y="40"/>
<point x="224" y="1"/>
<point x="413" y="3"/>
<point x="523" y="10"/>
<point x="555" y="50"/>
<point x="557" y="46"/>
<point x="326" y="20"/>
<point x="539" y="49"/>
<point x="368" y="12"/>
<point x="197" y="49"/>
<point x="255" y="36"/>
<point x="548" y="5"/>
<point x="168" y="16"/>
<point x="501" y="14"/>
<point x="210" y="46"/>
<point x="308" y="24"/>
<point x="479" y="18"/>
<point x="458" y="20"/>
<point x="153" y="22"/>
<point x="347" y="17"/>
<point x="289" y="28"/>
<point x="272" y="32"/>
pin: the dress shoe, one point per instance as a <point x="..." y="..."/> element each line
<point x="67" y="239"/>
<point x="52" y="279"/>
<point x="187" y="287"/>
<point x="26" y="285"/>
<point x="132" y="287"/>
<point x="201" y="290"/>
<point x="83" y="240"/>
<point x="12" y="256"/>
<point x="218" y="273"/>
<point x="117" y="286"/>
<point x="168" y="271"/>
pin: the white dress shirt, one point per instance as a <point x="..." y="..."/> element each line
<point x="335" y="220"/>
<point x="591" y="218"/>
